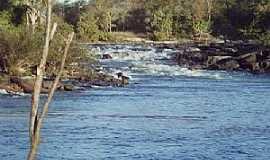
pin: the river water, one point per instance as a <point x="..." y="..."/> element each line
<point x="166" y="113"/>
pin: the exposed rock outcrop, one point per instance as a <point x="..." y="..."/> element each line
<point x="234" y="56"/>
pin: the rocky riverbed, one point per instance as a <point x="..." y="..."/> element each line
<point x="237" y="56"/>
<point x="17" y="85"/>
<point x="234" y="56"/>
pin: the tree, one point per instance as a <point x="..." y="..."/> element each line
<point x="202" y="16"/>
<point x="37" y="119"/>
<point x="161" y="18"/>
<point x="88" y="28"/>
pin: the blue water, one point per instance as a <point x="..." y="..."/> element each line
<point x="157" y="117"/>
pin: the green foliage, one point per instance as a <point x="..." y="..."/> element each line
<point x="105" y="36"/>
<point x="5" y="20"/>
<point x="18" y="50"/>
<point x="265" y="38"/>
<point x="201" y="26"/>
<point x="162" y="25"/>
<point x="88" y="28"/>
<point x="161" y="20"/>
<point x="242" y="19"/>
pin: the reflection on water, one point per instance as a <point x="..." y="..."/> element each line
<point x="160" y="115"/>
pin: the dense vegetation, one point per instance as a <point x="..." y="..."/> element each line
<point x="22" y="29"/>
<point x="170" y="19"/>
<point x="22" y="24"/>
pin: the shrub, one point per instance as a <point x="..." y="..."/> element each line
<point x="160" y="36"/>
<point x="19" y="50"/>
<point x="265" y="38"/>
<point x="88" y="29"/>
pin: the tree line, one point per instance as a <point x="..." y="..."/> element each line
<point x="170" y="19"/>
<point x="160" y="19"/>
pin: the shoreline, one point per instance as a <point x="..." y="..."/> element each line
<point x="235" y="56"/>
<point x="20" y="85"/>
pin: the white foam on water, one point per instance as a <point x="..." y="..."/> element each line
<point x="172" y="70"/>
<point x="150" y="61"/>
<point x="3" y="91"/>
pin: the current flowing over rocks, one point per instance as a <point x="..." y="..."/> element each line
<point x="119" y="63"/>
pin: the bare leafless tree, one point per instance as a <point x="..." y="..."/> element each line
<point x="36" y="118"/>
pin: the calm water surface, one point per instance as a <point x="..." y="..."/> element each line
<point x="166" y="113"/>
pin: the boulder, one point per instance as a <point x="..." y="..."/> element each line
<point x="26" y="84"/>
<point x="247" y="58"/>
<point x="125" y="80"/>
<point x="255" y="68"/>
<point x="68" y="87"/>
<point x="191" y="58"/>
<point x="230" y="56"/>
<point x="100" y="83"/>
<point x="46" y="84"/>
<point x="106" y="56"/>
<point x="248" y="61"/>
<point x="197" y="57"/>
<point x="11" y="88"/>
<point x="265" y="65"/>
<point x="222" y="63"/>
<point x="214" y="59"/>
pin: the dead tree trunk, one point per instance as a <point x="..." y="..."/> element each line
<point x="36" y="119"/>
<point x="40" y="73"/>
<point x="35" y="140"/>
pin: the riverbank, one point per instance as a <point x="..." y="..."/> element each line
<point x="233" y="56"/>
<point x="167" y="112"/>
<point x="16" y="85"/>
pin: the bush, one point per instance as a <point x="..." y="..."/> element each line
<point x="88" y="29"/>
<point x="265" y="38"/>
<point x="160" y="36"/>
<point x="19" y="50"/>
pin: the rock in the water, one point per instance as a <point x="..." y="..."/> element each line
<point x="68" y="87"/>
<point x="248" y="61"/>
<point x="222" y="63"/>
<point x="124" y="79"/>
<point x="248" y="58"/>
<point x="47" y="84"/>
<point x="228" y="56"/>
<point x="11" y="88"/>
<point x="265" y="65"/>
<point x="106" y="56"/>
<point x="26" y="84"/>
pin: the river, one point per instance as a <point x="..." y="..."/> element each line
<point x="165" y="113"/>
